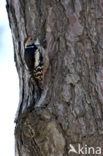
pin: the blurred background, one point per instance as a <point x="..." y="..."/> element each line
<point x="9" y="86"/>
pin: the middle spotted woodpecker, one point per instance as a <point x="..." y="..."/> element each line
<point x="36" y="60"/>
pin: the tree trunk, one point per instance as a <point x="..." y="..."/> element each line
<point x="69" y="112"/>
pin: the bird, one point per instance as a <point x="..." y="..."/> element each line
<point x="36" y="60"/>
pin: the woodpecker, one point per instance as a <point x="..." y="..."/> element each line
<point x="36" y="60"/>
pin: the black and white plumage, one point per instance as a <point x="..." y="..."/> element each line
<point x="36" y="60"/>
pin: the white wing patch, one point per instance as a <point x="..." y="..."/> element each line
<point x="37" y="55"/>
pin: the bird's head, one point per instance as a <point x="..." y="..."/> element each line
<point x="31" y="40"/>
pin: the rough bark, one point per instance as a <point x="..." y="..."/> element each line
<point x="71" y="107"/>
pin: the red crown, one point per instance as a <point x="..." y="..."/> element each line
<point x="26" y="39"/>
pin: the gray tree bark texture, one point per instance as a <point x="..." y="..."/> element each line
<point x="70" y="111"/>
